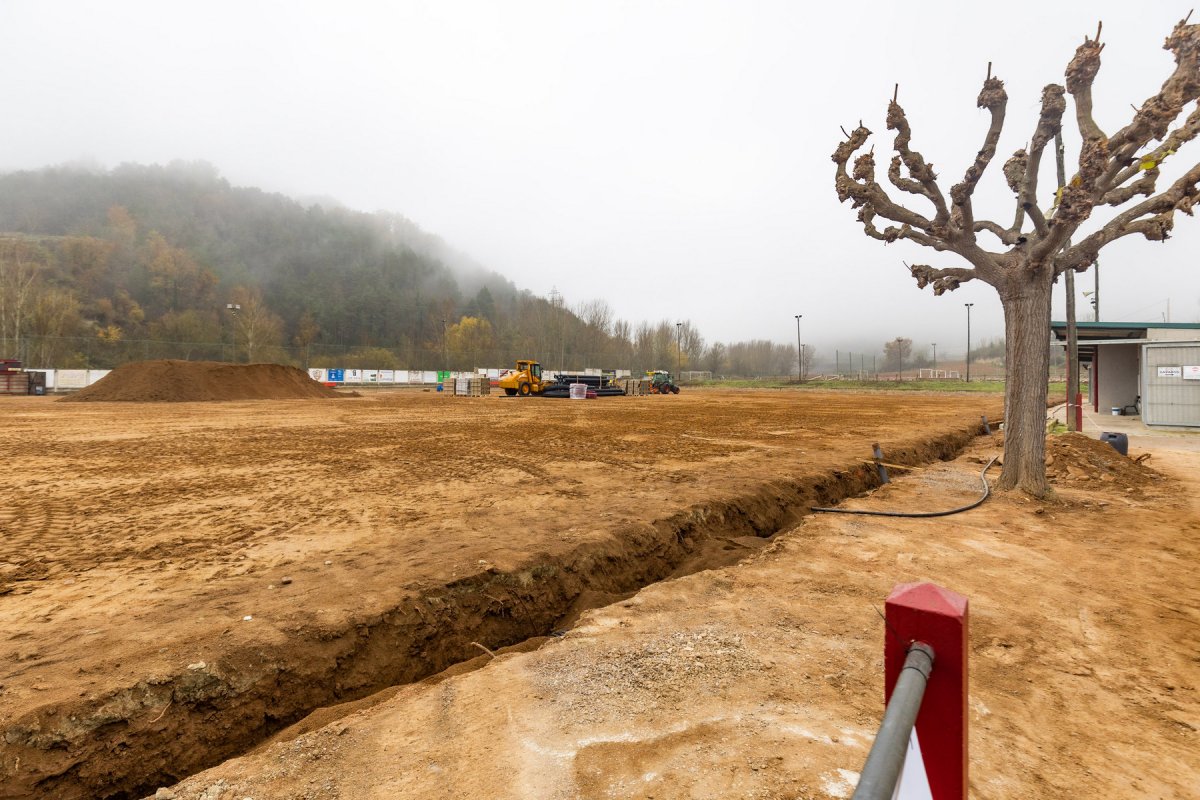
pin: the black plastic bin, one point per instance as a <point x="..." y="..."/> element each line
<point x="1119" y="441"/>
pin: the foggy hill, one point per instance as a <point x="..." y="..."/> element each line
<point x="172" y="261"/>
<point x="158" y="251"/>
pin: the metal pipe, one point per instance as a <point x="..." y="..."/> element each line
<point x="886" y="759"/>
<point x="877" y="453"/>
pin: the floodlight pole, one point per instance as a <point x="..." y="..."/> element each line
<point x="233" y="309"/>
<point x="935" y="361"/>
<point x="678" y="351"/>
<point x="1072" y="330"/>
<point x="968" y="305"/>
<point x="799" y="352"/>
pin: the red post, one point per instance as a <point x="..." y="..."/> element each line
<point x="928" y="613"/>
<point x="1079" y="412"/>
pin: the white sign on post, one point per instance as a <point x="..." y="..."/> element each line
<point x="1191" y="373"/>
<point x="914" y="781"/>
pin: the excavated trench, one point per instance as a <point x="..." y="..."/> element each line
<point x="112" y="748"/>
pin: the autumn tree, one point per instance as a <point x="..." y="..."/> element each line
<point x="1120" y="170"/>
<point x="897" y="353"/>
<point x="469" y="337"/>
<point x="809" y="354"/>
<point x="255" y="325"/>
<point x="188" y="330"/>
<point x="54" y="316"/>
<point x="307" y="331"/>
<point x="22" y="264"/>
<point x="176" y="280"/>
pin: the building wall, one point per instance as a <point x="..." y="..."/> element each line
<point x="1172" y="334"/>
<point x="1118" y="376"/>
<point x="1169" y="398"/>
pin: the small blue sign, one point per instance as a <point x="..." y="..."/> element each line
<point x="336" y="376"/>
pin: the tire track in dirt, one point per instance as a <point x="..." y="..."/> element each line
<point x="168" y="726"/>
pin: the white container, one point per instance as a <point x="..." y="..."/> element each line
<point x="579" y="391"/>
<point x="1116" y="411"/>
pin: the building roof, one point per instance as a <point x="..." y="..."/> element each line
<point x="1117" y="330"/>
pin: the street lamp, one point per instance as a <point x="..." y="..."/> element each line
<point x="799" y="352"/>
<point x="234" y="308"/>
<point x="968" y="305"/>
<point x="900" y="356"/>
<point x="935" y="361"/>
<point x="1094" y="300"/>
<point x="678" y="352"/>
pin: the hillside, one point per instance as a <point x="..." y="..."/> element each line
<point x="145" y="261"/>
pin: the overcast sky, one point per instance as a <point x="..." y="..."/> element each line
<point x="672" y="158"/>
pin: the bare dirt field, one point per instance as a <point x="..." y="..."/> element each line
<point x="181" y="581"/>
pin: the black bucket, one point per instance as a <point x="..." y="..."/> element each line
<point x="1119" y="441"/>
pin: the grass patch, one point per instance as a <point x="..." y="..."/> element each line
<point x="1057" y="388"/>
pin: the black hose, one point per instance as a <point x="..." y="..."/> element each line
<point x="987" y="490"/>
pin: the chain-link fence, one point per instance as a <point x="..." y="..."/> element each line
<point x="66" y="352"/>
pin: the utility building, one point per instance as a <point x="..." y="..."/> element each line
<point x="1151" y="369"/>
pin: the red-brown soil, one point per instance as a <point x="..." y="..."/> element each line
<point x="764" y="680"/>
<point x="374" y="541"/>
<point x="174" y="381"/>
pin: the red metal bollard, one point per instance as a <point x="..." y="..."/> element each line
<point x="928" y="613"/>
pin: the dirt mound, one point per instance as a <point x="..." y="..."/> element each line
<point x="190" y="381"/>
<point x="1072" y="458"/>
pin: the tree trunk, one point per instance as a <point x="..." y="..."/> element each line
<point x="1026" y="301"/>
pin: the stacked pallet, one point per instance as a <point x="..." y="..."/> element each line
<point x="636" y="386"/>
<point x="476" y="386"/>
<point x="14" y="383"/>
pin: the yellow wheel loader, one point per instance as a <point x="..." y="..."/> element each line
<point x="525" y="380"/>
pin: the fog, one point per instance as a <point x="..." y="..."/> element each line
<point x="672" y="158"/>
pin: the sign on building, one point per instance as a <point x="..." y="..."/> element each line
<point x="1191" y="373"/>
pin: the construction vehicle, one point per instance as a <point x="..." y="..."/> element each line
<point x="525" y="380"/>
<point x="661" y="383"/>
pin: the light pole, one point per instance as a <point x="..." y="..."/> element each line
<point x="233" y="309"/>
<point x="935" y="361"/>
<point x="1091" y="296"/>
<point x="799" y="352"/>
<point x="678" y="352"/>
<point x="900" y="356"/>
<point x="968" y="305"/>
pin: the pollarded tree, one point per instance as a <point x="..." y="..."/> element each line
<point x="1114" y="169"/>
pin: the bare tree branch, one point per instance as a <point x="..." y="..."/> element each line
<point x="1049" y="121"/>
<point x="1155" y="116"/>
<point x="943" y="280"/>
<point x="902" y="183"/>
<point x="863" y="190"/>
<point x="994" y="99"/>
<point x="1081" y="73"/>
<point x="915" y="162"/>
<point x="1006" y="236"/>
<point x="1150" y="161"/>
<point x="1143" y="186"/>
<point x="1106" y="165"/>
<point x="1152" y="218"/>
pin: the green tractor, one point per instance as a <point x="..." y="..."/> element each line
<point x="661" y="383"/>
